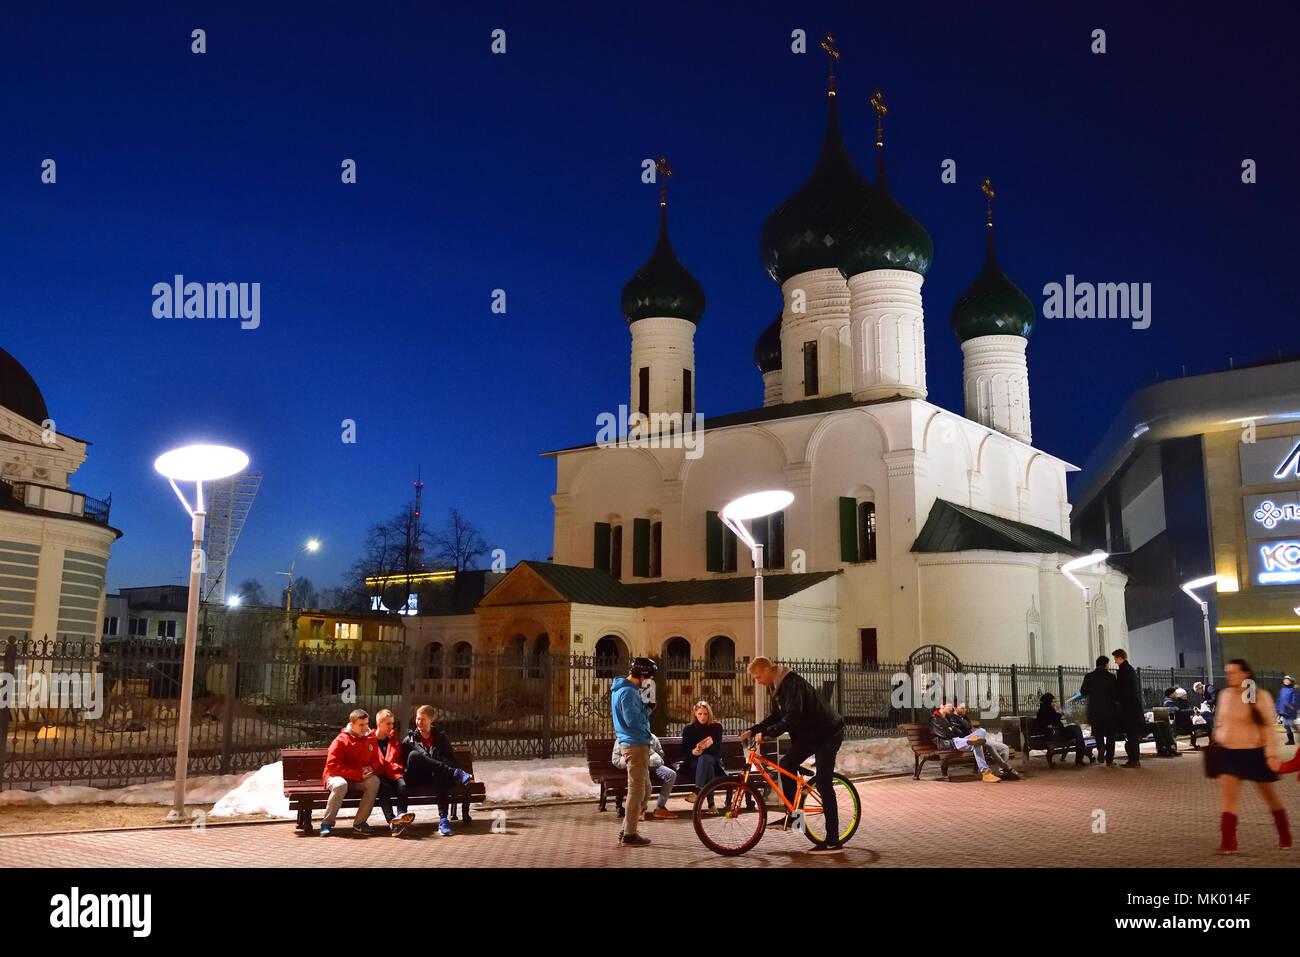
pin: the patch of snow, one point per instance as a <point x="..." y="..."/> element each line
<point x="259" y="792"/>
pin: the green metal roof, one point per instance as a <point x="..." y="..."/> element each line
<point x="591" y="586"/>
<point x="956" y="528"/>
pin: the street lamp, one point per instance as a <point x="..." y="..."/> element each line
<point x="1190" y="588"/>
<point x="309" y="546"/>
<point x="1067" y="570"/>
<point x="234" y="600"/>
<point x="197" y="464"/>
<point x="755" y="505"/>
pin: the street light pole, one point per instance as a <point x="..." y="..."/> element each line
<point x="1067" y="569"/>
<point x="309" y="546"/>
<point x="1189" y="588"/>
<point x="197" y="464"/>
<point x="757" y="505"/>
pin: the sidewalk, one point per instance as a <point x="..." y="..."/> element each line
<point x="1163" y="814"/>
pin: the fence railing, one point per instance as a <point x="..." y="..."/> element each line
<point x="106" y="712"/>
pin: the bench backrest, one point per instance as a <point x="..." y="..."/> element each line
<point x="600" y="750"/>
<point x="308" y="764"/>
<point x="918" y="735"/>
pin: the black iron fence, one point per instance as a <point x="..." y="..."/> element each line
<point x="106" y="713"/>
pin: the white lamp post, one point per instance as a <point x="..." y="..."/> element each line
<point x="1068" y="569"/>
<point x="197" y="464"/>
<point x="755" y="505"/>
<point x="1190" y="589"/>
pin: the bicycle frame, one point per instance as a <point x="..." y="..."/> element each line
<point x="754" y="761"/>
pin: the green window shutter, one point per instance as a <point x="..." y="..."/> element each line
<point x="600" y="550"/>
<point x="641" y="547"/>
<point x="848" y="530"/>
<point x="713" y="540"/>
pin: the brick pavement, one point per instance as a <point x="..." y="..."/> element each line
<point x="1164" y="814"/>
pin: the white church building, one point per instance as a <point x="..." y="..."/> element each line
<point x="54" y="541"/>
<point x="911" y="524"/>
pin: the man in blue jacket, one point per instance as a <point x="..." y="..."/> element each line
<point x="1287" y="706"/>
<point x="632" y="731"/>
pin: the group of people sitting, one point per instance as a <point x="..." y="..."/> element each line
<point x="951" y="730"/>
<point x="379" y="765"/>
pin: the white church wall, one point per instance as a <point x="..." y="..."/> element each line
<point x="612" y="484"/>
<point x="960" y="609"/>
<point x="807" y="625"/>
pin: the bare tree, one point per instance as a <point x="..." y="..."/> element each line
<point x="460" y="543"/>
<point x="304" y="593"/>
<point x="250" y="592"/>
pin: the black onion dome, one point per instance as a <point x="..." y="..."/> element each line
<point x="18" y="391"/>
<point x="767" y="351"/>
<point x="993" y="305"/>
<point x="885" y="236"/>
<point x="663" y="286"/>
<point x="808" y="230"/>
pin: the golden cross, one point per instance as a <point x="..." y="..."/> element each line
<point x="878" y="104"/>
<point x="987" y="189"/>
<point x="664" y="171"/>
<point x="832" y="54"/>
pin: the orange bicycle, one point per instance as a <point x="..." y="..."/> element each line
<point x="741" y="815"/>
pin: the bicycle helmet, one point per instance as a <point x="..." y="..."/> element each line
<point x="643" y="668"/>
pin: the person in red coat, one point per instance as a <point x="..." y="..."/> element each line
<point x="392" y="783"/>
<point x="351" y="765"/>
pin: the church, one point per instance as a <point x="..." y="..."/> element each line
<point x="911" y="524"/>
<point x="54" y="541"/>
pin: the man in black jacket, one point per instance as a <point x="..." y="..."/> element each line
<point x="430" y="761"/>
<point x="1100" y="688"/>
<point x="1132" y="717"/>
<point x="816" y="730"/>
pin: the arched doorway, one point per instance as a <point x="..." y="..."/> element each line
<point x="677" y="659"/>
<point x="720" y="658"/>
<point x="541" y="647"/>
<point x="611" y="657"/>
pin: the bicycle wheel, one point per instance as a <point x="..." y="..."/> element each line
<point x="738" y="821"/>
<point x="847" y="804"/>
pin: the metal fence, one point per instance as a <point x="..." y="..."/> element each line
<point x="252" y="699"/>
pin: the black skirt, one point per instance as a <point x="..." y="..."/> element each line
<point x="1248" y="764"/>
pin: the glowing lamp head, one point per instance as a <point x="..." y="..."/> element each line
<point x="757" y="504"/>
<point x="201" y="463"/>
<point x="312" y="545"/>
<point x="1189" y="588"/>
<point x="233" y="601"/>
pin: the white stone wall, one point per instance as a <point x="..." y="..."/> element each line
<point x="816" y="310"/>
<point x="887" y="325"/>
<point x="665" y="346"/>
<point x="996" y="384"/>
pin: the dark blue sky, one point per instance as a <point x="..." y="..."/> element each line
<point x="522" y="172"/>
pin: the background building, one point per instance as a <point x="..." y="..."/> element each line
<point x="54" y="541"/>
<point x="1199" y="476"/>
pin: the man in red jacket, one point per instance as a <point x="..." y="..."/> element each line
<point x="392" y="783"/>
<point x="352" y="765"/>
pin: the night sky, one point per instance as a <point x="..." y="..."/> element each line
<point x="522" y="172"/>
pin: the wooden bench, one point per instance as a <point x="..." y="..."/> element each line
<point x="923" y="750"/>
<point x="1177" y="728"/>
<point x="1021" y="733"/>
<point x="613" y="781"/>
<point x="305" y="790"/>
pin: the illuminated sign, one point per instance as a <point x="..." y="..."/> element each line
<point x="1272" y="516"/>
<point x="1275" y="563"/>
<point x="1270" y="461"/>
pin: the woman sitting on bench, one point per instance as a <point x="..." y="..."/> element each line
<point x="702" y="747"/>
<point x="1053" y="727"/>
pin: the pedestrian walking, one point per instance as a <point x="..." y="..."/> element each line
<point x="632" y="729"/>
<point x="1287" y="702"/>
<point x="1244" y="747"/>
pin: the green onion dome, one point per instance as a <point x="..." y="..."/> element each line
<point x="663" y="286"/>
<point x="807" y="231"/>
<point x="767" y="351"/>
<point x="18" y="391"/>
<point x="993" y="305"/>
<point x="884" y="235"/>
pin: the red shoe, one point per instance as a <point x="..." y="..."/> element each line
<point x="1283" y="830"/>
<point x="1227" y="834"/>
<point x="1292" y="765"/>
